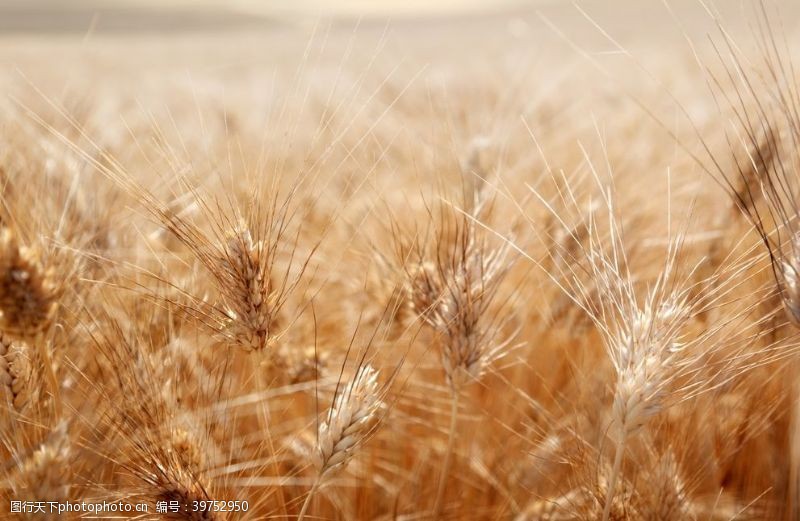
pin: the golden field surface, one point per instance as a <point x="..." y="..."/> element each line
<point x="529" y="261"/>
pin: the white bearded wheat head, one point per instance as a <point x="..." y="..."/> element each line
<point x="351" y="419"/>
<point x="644" y="355"/>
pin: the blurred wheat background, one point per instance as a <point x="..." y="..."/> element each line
<point x="527" y="260"/>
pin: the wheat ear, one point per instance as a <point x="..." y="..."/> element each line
<point x="15" y="372"/>
<point x="351" y="420"/>
<point x="463" y="321"/>
<point x="44" y="475"/>
<point x="644" y="355"/>
<point x="247" y="284"/>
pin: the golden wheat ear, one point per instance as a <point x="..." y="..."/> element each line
<point x="28" y="292"/>
<point x="46" y="471"/>
<point x="252" y="306"/>
<point x="15" y="372"/>
<point x="453" y="277"/>
<point x="358" y="407"/>
<point x="351" y="420"/>
<point x="252" y="266"/>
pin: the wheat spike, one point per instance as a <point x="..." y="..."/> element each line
<point x="644" y="356"/>
<point x="350" y="421"/>
<point x="28" y="293"/>
<point x="45" y="474"/>
<point x="15" y="372"/>
<point x="454" y="300"/>
<point x="248" y="290"/>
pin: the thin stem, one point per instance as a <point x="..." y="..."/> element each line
<point x="264" y="420"/>
<point x="612" y="482"/>
<point x="437" y="507"/>
<point x="307" y="502"/>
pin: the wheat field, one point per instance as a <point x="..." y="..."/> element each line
<point x="531" y="262"/>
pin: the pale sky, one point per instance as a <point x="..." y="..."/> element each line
<point x="381" y="7"/>
<point x="343" y="7"/>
